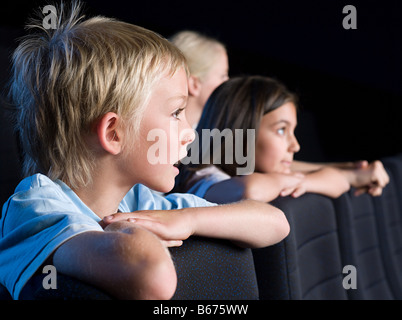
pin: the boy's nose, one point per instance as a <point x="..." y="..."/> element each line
<point x="188" y="136"/>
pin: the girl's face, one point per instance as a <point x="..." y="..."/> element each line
<point x="164" y="134"/>
<point x="276" y="142"/>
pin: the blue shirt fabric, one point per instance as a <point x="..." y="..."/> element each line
<point x="42" y="214"/>
<point x="205" y="178"/>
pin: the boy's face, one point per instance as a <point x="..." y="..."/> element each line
<point x="276" y="142"/>
<point x="164" y="134"/>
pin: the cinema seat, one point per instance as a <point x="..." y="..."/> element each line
<point x="212" y="269"/>
<point x="307" y="264"/>
<point x="360" y="246"/>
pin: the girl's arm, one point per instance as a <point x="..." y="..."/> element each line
<point x="248" y="223"/>
<point x="256" y="186"/>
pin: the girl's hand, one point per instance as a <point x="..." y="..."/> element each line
<point x="266" y="187"/>
<point x="293" y="184"/>
<point x="172" y="226"/>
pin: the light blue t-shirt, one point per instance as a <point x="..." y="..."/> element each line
<point x="42" y="214"/>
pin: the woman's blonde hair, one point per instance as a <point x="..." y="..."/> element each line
<point x="200" y="51"/>
<point x="67" y="78"/>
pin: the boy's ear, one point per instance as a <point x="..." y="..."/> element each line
<point x="194" y="86"/>
<point x="109" y="133"/>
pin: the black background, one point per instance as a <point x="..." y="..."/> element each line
<point x="350" y="80"/>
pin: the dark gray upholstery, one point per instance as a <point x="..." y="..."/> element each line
<point x="309" y="258"/>
<point x="210" y="269"/>
<point x="361" y="248"/>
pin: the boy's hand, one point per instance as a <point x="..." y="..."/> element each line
<point x="171" y="226"/>
<point x="370" y="178"/>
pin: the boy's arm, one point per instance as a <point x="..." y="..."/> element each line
<point x="328" y="181"/>
<point x="248" y="223"/>
<point x="302" y="166"/>
<point x="334" y="181"/>
<point x="368" y="177"/>
<point x="125" y="260"/>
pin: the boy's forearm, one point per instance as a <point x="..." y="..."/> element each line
<point x="328" y="181"/>
<point x="303" y="166"/>
<point x="248" y="223"/>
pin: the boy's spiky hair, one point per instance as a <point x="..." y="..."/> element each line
<point x="65" y="79"/>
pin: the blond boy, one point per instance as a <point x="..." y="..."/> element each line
<point x="86" y="96"/>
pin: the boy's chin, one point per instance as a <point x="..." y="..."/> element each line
<point x="165" y="188"/>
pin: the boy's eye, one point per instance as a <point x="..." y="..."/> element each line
<point x="177" y="113"/>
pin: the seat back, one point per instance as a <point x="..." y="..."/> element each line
<point x="214" y="269"/>
<point x="307" y="264"/>
<point x="360" y="246"/>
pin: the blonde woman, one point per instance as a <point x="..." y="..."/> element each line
<point x="208" y="63"/>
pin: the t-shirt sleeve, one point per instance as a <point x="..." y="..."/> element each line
<point x="142" y="198"/>
<point x="35" y="221"/>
